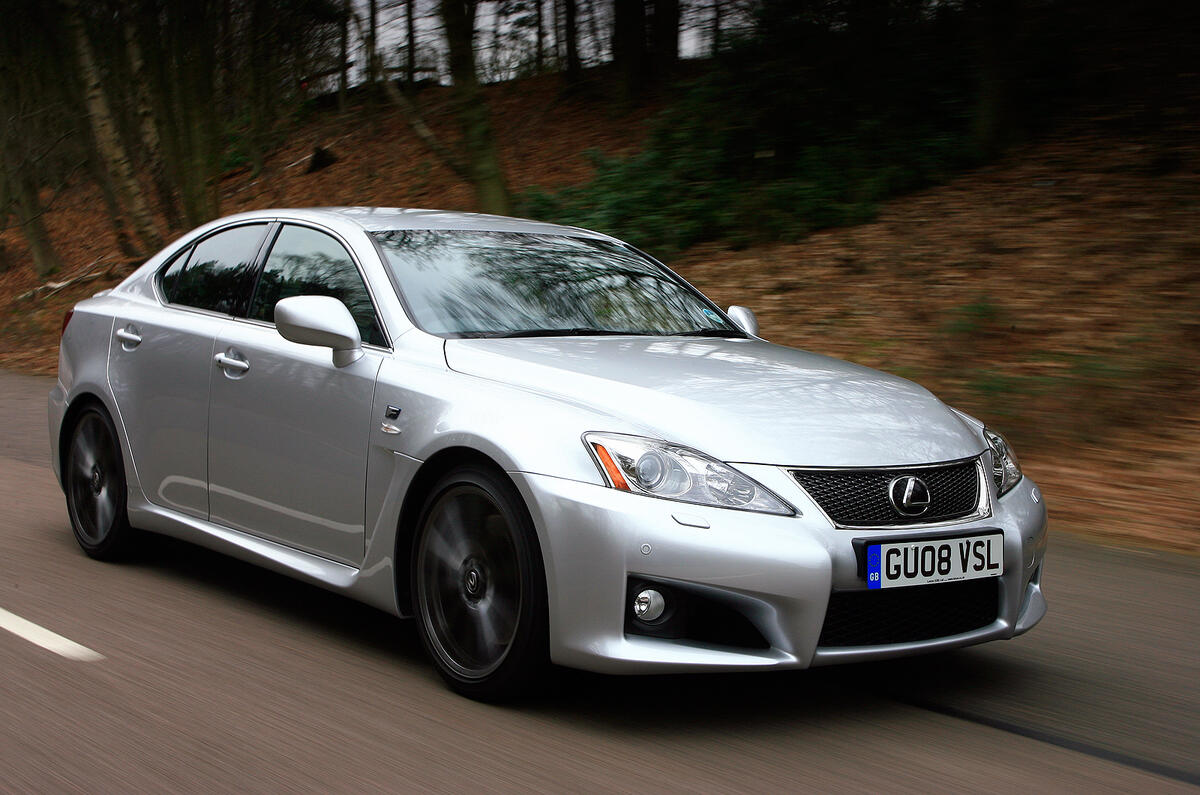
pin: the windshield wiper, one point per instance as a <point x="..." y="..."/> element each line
<point x="710" y="332"/>
<point x="581" y="331"/>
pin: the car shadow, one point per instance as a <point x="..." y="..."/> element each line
<point x="291" y="600"/>
<point x="720" y="701"/>
<point x="679" y="702"/>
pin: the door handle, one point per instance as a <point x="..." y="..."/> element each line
<point x="129" y="337"/>
<point x="229" y="363"/>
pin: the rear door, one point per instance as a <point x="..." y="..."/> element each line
<point x="289" y="431"/>
<point x="161" y="363"/>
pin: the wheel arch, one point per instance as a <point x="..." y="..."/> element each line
<point x="418" y="491"/>
<point x="79" y="403"/>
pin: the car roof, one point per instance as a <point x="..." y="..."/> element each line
<point x="384" y="219"/>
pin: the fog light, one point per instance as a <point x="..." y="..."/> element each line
<point x="649" y="605"/>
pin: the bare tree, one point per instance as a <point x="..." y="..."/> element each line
<point x="187" y="32"/>
<point x="148" y="128"/>
<point x="629" y="45"/>
<point x="482" y="154"/>
<point x="344" y="54"/>
<point x="665" y="37"/>
<point x="372" y="43"/>
<point x="104" y="128"/>
<point x="116" y="218"/>
<point x="539" y="50"/>
<point x="571" y="35"/>
<point x="411" y="37"/>
<point x="557" y="28"/>
<point x="716" y="26"/>
<point x="24" y="125"/>
<point x="594" y="27"/>
<point x="20" y="193"/>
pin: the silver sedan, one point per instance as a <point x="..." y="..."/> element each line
<point x="541" y="444"/>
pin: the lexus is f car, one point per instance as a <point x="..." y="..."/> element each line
<point x="541" y="444"/>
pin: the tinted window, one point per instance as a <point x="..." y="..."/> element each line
<point x="304" y="261"/>
<point x="219" y="272"/>
<point x="481" y="284"/>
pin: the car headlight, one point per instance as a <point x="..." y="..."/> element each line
<point x="661" y="469"/>
<point x="1006" y="470"/>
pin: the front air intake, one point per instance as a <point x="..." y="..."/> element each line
<point x="908" y="615"/>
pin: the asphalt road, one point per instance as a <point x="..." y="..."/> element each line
<point x="220" y="676"/>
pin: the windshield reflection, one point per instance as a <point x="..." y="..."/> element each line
<point x="494" y="284"/>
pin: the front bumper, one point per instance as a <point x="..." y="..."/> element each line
<point x="778" y="572"/>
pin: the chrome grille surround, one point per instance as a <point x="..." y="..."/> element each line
<point x="857" y="497"/>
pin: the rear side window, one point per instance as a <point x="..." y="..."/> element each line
<point x="304" y="261"/>
<point x="219" y="273"/>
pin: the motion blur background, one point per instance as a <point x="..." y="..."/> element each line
<point x="997" y="198"/>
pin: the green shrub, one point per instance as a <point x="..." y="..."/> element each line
<point x="770" y="145"/>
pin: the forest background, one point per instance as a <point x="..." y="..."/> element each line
<point x="999" y="199"/>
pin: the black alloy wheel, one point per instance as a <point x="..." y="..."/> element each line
<point x="479" y="585"/>
<point x="94" y="481"/>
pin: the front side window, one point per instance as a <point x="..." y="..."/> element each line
<point x="218" y="273"/>
<point x="462" y="283"/>
<point x="304" y="261"/>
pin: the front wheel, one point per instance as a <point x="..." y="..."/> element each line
<point x="94" y="481"/>
<point x="479" y="585"/>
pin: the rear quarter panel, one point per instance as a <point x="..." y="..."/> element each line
<point x="83" y="372"/>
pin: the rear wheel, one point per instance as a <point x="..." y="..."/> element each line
<point x="478" y="585"/>
<point x="94" y="481"/>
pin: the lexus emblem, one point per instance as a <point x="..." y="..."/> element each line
<point x="909" y="495"/>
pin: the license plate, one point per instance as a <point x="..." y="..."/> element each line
<point x="904" y="563"/>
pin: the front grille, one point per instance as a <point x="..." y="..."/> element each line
<point x="859" y="497"/>
<point x="905" y="615"/>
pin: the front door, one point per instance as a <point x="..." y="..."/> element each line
<point x="289" y="431"/>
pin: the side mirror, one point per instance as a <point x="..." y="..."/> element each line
<point x="744" y="318"/>
<point x="320" y="320"/>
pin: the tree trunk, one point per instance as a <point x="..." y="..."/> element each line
<point x="28" y="209"/>
<point x="994" y="37"/>
<point x="411" y="32"/>
<point x="539" y="56"/>
<point x="260" y="79"/>
<point x="483" y="157"/>
<point x="716" y="26"/>
<point x="666" y="38"/>
<point x="372" y="45"/>
<point x="22" y="191"/>
<point x="498" y="20"/>
<point x="111" y="205"/>
<point x="594" y="29"/>
<point x="629" y="45"/>
<point x="20" y="175"/>
<point x="227" y="78"/>
<point x="148" y="128"/>
<point x="108" y="140"/>
<point x="343" y="50"/>
<point x="193" y="144"/>
<point x="554" y="25"/>
<point x="571" y="34"/>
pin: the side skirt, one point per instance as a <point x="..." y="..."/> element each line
<point x="304" y="566"/>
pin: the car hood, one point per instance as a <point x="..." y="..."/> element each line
<point x="740" y="400"/>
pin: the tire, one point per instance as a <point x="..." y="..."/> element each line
<point x="94" y="482"/>
<point x="479" y="587"/>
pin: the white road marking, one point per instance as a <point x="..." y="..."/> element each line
<point x="51" y="641"/>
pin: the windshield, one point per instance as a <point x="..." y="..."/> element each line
<point x="501" y="284"/>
